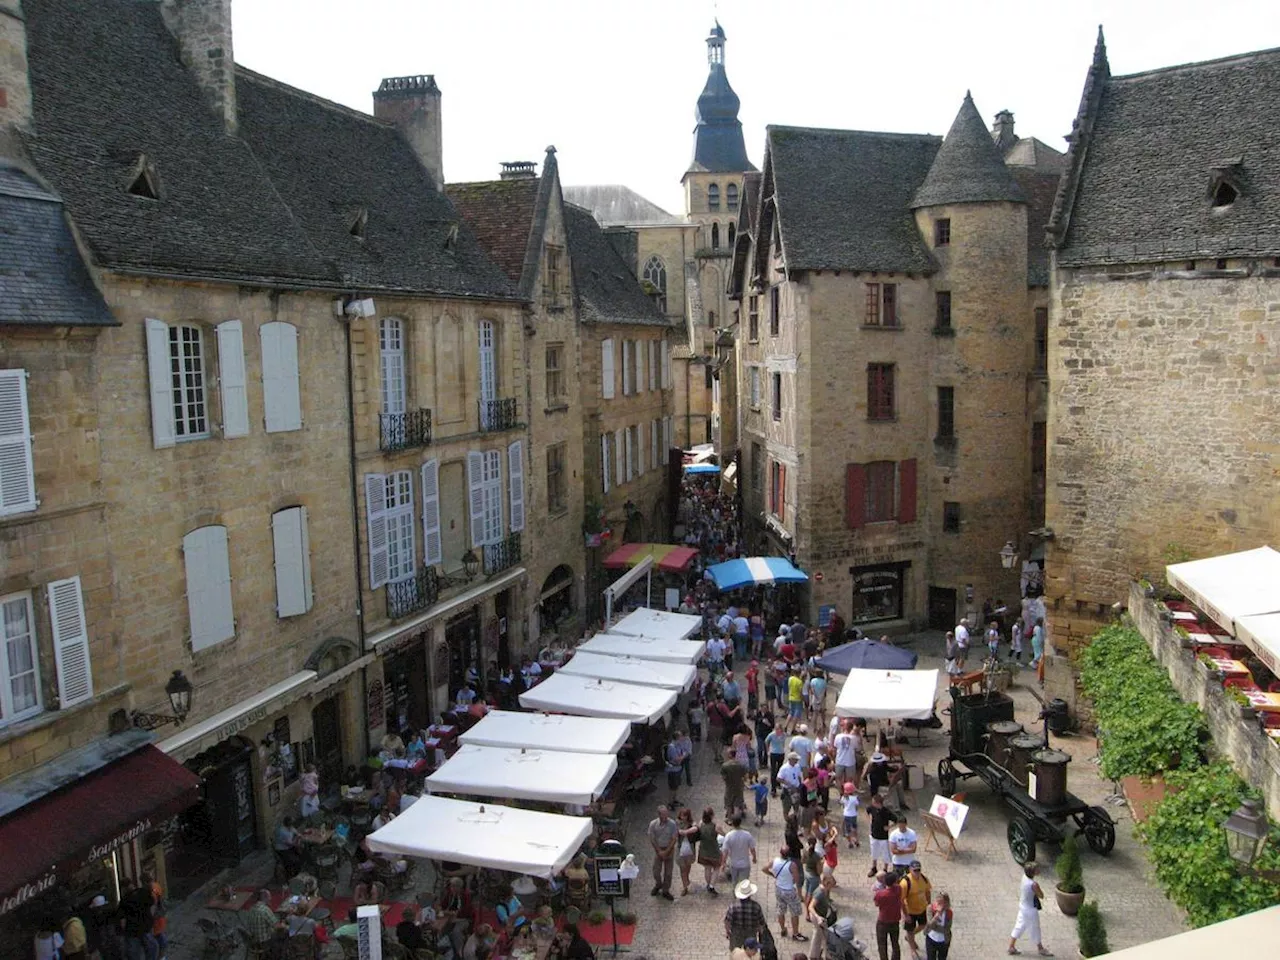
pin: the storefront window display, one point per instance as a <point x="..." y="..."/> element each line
<point x="878" y="592"/>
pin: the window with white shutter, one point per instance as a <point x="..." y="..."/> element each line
<point x="654" y="364"/>
<point x="619" y="471"/>
<point x="666" y="439"/>
<point x="606" y="369"/>
<point x="188" y="400"/>
<point x="232" y="382"/>
<point x="391" y="355"/>
<point x="20" y="665"/>
<point x="492" y="496"/>
<point x="642" y="352"/>
<point x="293" y="561"/>
<point x="639" y="444"/>
<point x="375" y="504"/>
<point x="654" y="430"/>
<point x="17" y="465"/>
<point x="161" y="384"/>
<point x="281" y="390"/>
<point x="204" y="551"/>
<point x="401" y="560"/>
<point x="628" y="366"/>
<point x="432" y="545"/>
<point x="515" y="481"/>
<point x="666" y="364"/>
<point x="604" y="462"/>
<point x="475" y="497"/>
<point x="70" y="642"/>
<point x="631" y="454"/>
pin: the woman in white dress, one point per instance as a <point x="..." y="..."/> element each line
<point x="1028" y="922"/>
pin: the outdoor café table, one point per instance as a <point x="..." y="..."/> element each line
<point x="1229" y="667"/>
<point x="1213" y="639"/>
<point x="302" y="906"/>
<point x="1184" y="615"/>
<point x="1263" y="701"/>
<point x="235" y="902"/>
<point x="316" y="835"/>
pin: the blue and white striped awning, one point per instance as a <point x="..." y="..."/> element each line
<point x="701" y="468"/>
<point x="743" y="573"/>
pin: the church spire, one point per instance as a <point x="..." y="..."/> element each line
<point x="717" y="138"/>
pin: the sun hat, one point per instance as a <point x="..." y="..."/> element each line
<point x="803" y="728"/>
<point x="878" y="757"/>
<point x="745" y="889"/>
<point x="793" y="755"/>
<point x="98" y="901"/>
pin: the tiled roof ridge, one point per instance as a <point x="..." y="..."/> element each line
<point x="968" y="167"/>
<point x="882" y="134"/>
<point x="1078" y="143"/>
<point x="287" y="88"/>
<point x="1194" y="65"/>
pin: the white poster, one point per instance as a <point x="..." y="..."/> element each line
<point x="944" y="808"/>
<point x="673" y="598"/>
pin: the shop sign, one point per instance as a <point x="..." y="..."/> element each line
<point x="133" y="833"/>
<point x="242" y="722"/>
<point x="881" y="552"/>
<point x="29" y="891"/>
<point x="401" y="644"/>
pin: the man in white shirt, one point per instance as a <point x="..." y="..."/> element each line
<point x="902" y="846"/>
<point x="962" y="642"/>
<point x="716" y="648"/>
<point x="789" y="778"/>
<point x="738" y="851"/>
<point x="802" y="746"/>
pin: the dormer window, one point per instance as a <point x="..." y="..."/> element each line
<point x="1224" y="195"/>
<point x="1224" y="183"/>
<point x="358" y="223"/>
<point x="144" y="183"/>
<point x="451" y="237"/>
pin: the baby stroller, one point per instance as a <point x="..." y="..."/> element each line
<point x="841" y="943"/>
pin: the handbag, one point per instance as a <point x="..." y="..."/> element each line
<point x="686" y="848"/>
<point x="1035" y="902"/>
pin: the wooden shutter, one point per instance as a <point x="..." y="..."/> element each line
<point x="161" y="382"/>
<point x="232" y="386"/>
<point x="641" y="356"/>
<point x="631" y="453"/>
<point x="375" y="504"/>
<point x="293" y="561"/>
<point x="654" y="429"/>
<point x="655" y="364"/>
<point x="606" y="369"/>
<point x="208" y="569"/>
<point x="70" y="642"/>
<point x="639" y="451"/>
<point x="432" y="545"/>
<point x="280" y="387"/>
<point x="619" y="458"/>
<point x="604" y="462"/>
<point x="475" y="489"/>
<point x="666" y="364"/>
<point x="17" y="465"/>
<point x="855" y="495"/>
<point x="515" y="483"/>
<point x="907" y="491"/>
<point x="628" y="366"/>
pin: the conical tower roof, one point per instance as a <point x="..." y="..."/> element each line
<point x="968" y="167"/>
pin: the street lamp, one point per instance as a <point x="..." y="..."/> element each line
<point x="1008" y="555"/>
<point x="470" y="563"/>
<point x="179" y="690"/>
<point x="1246" y="831"/>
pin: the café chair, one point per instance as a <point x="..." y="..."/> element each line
<point x="253" y="950"/>
<point x="325" y="861"/>
<point x="219" y="939"/>
<point x="297" y="887"/>
<point x="1240" y="683"/>
<point x="328" y="889"/>
<point x="300" y="948"/>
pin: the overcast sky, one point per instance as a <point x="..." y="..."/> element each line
<point x="613" y="84"/>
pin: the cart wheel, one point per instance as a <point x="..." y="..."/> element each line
<point x="1022" y="840"/>
<point x="1099" y="830"/>
<point x="946" y="776"/>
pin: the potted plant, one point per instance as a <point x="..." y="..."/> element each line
<point x="596" y="917"/>
<point x="1242" y="701"/>
<point x="1092" y="931"/>
<point x="1070" y="889"/>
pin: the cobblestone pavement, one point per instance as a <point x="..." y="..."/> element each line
<point x="982" y="878"/>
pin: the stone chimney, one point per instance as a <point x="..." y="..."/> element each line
<point x="519" y="170"/>
<point x="203" y="31"/>
<point x="413" y="105"/>
<point x="15" y="86"/>
<point x="1002" y="130"/>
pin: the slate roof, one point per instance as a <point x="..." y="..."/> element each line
<point x="1030" y="152"/>
<point x="43" y="279"/>
<point x="329" y="163"/>
<point x="968" y="167"/>
<point x="717" y="138"/>
<point x="274" y="202"/>
<point x="616" y="205"/>
<point x="1039" y="188"/>
<point x="844" y="198"/>
<point x="1140" y="183"/>
<point x="605" y="288"/>
<point x="500" y="212"/>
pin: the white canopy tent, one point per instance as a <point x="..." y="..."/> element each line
<point x="483" y="835"/>
<point x="1239" y="937"/>
<point x="545" y="731"/>
<point x="1238" y="591"/>
<point x="658" y="624"/>
<point x="588" y="697"/>
<point x="523" y="774"/>
<point x="650" y="673"/>
<point x="888" y="694"/>
<point x="644" y="648"/>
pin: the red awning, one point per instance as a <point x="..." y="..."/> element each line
<point x="666" y="556"/>
<point x="87" y="820"/>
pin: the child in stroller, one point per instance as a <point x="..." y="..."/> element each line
<point x="841" y="943"/>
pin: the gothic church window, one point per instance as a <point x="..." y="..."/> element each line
<point x="715" y="236"/>
<point x="654" y="280"/>
<point x="731" y="196"/>
<point x="713" y="196"/>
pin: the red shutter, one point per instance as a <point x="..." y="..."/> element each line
<point x="855" y="495"/>
<point x="782" y="492"/>
<point x="907" y="491"/>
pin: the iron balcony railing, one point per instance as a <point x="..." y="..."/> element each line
<point x="501" y="555"/>
<point x="415" y="593"/>
<point x="497" y="415"/>
<point x="402" y="431"/>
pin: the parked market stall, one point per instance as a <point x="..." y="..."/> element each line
<point x="549" y="731"/>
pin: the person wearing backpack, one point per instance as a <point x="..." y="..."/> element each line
<point x="916" y="894"/>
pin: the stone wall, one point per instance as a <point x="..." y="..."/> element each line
<point x="15" y="87"/>
<point x="1164" y="400"/>
<point x="1254" y="755"/>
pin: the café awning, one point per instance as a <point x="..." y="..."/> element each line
<point x="550" y="776"/>
<point x="549" y="731"/>
<point x="650" y="673"/>
<point x="701" y="468"/>
<point x="644" y="648"/>
<point x="666" y="556"/>
<point x="659" y="624"/>
<point x="1238" y="937"/>
<point x="1238" y="591"/>
<point x="483" y="835"/>
<point x="754" y="571"/>
<point x="888" y="694"/>
<point x="589" y="697"/>
<point x="45" y="840"/>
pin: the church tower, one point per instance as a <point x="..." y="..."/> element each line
<point x="713" y="196"/>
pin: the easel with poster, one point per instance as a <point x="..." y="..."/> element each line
<point x="944" y="821"/>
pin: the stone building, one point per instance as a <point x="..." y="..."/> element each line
<point x="628" y="424"/>
<point x="886" y="290"/>
<point x="520" y="220"/>
<point x="264" y="420"/>
<point x="1164" y="319"/>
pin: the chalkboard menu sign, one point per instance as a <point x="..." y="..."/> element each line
<point x="608" y="863"/>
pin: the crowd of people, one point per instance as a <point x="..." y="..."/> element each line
<point x="132" y="929"/>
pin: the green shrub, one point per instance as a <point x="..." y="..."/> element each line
<point x="1144" y="726"/>
<point x="1092" y="930"/>
<point x="1189" y="847"/>
<point x="1070" y="876"/>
